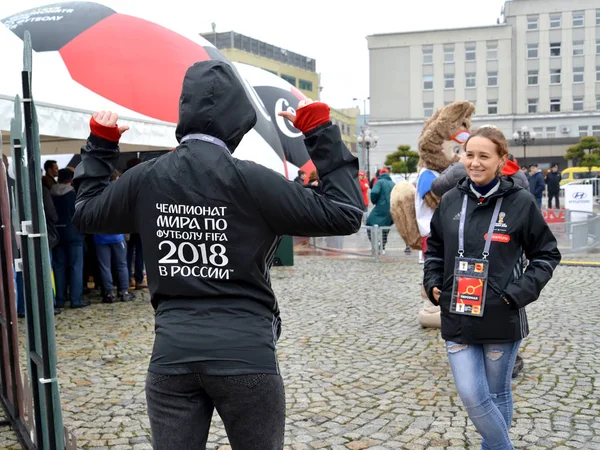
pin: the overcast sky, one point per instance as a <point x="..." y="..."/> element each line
<point x="331" y="31"/>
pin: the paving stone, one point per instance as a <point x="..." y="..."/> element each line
<point x="359" y="372"/>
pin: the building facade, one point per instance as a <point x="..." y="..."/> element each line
<point x="346" y="119"/>
<point x="298" y="70"/>
<point x="539" y="68"/>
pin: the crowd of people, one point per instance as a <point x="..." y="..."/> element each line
<point x="83" y="262"/>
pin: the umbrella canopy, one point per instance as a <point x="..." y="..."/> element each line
<point x="278" y="95"/>
<point x="88" y="57"/>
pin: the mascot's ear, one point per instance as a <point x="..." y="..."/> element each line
<point x="458" y="112"/>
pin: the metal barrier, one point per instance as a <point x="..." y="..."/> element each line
<point x="579" y="232"/>
<point x="595" y="182"/>
<point x="370" y="242"/>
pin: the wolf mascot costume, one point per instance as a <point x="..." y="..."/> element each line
<point x="442" y="139"/>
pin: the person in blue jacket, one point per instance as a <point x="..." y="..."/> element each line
<point x="68" y="254"/>
<point x="537" y="184"/>
<point x="380" y="214"/>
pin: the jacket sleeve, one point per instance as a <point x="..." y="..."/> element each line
<point x="434" y="256"/>
<point x="375" y="193"/>
<point x="542" y="252"/>
<point x="49" y="209"/>
<point x="520" y="179"/>
<point x="290" y="209"/>
<point x="448" y="179"/>
<point x="102" y="206"/>
<point x="540" y="186"/>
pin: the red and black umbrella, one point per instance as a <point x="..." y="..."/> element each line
<point x="130" y="61"/>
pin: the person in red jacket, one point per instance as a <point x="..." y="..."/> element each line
<point x="364" y="187"/>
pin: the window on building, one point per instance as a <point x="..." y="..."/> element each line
<point x="539" y="131"/>
<point x="471" y="79"/>
<point x="492" y="107"/>
<point x="428" y="109"/>
<point x="289" y="79"/>
<point x="555" y="76"/>
<point x="428" y="82"/>
<point x="598" y="17"/>
<point x="577" y="48"/>
<point x="470" y="51"/>
<point x="577" y="74"/>
<point x="555" y="49"/>
<point x="598" y="47"/>
<point x="555" y="104"/>
<point x="532" y="77"/>
<point x="428" y="54"/>
<point x="578" y="19"/>
<point x="596" y="130"/>
<point x="492" y="78"/>
<point x="577" y="103"/>
<point x="532" y="22"/>
<point x="555" y="20"/>
<point x="448" y="53"/>
<point x="597" y="73"/>
<point x="598" y="103"/>
<point x="449" y="81"/>
<point x="532" y="105"/>
<point x="583" y="130"/>
<point x="532" y="51"/>
<point x="306" y="85"/>
<point x="492" y="50"/>
<point x="550" y="132"/>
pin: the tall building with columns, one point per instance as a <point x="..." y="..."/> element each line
<point x="538" y="67"/>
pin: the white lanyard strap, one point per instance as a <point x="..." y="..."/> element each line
<point x="461" y="228"/>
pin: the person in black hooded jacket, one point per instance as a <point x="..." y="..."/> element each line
<point x="210" y="225"/>
<point x="482" y="343"/>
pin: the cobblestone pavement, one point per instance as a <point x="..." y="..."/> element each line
<point x="359" y="372"/>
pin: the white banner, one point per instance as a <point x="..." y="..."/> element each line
<point x="579" y="197"/>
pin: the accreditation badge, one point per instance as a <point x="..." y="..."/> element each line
<point x="469" y="288"/>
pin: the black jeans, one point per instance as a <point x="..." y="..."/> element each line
<point x="180" y="408"/>
<point x="556" y="201"/>
<point x="134" y="248"/>
<point x="384" y="237"/>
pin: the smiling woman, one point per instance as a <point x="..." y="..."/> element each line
<point x="474" y="270"/>
<point x="486" y="154"/>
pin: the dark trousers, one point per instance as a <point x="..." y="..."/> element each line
<point x="68" y="270"/>
<point x="384" y="237"/>
<point x="556" y="202"/>
<point x="180" y="408"/>
<point x="134" y="250"/>
<point x="109" y="254"/>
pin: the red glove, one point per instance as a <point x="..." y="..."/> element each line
<point x="109" y="133"/>
<point x="311" y="116"/>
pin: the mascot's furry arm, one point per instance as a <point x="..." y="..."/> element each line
<point x="402" y="204"/>
<point x="431" y="200"/>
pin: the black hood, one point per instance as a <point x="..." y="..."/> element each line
<point x="214" y="102"/>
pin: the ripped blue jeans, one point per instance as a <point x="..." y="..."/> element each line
<point x="482" y="374"/>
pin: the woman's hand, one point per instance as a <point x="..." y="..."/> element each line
<point x="436" y="294"/>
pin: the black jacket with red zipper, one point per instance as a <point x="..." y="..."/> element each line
<point x="210" y="223"/>
<point x="522" y="228"/>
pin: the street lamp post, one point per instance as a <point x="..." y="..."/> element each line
<point x="366" y="140"/>
<point x="364" y="125"/>
<point x="524" y="137"/>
